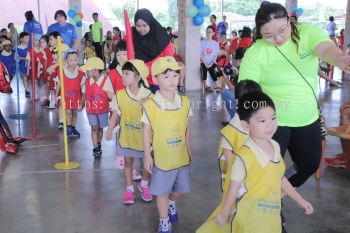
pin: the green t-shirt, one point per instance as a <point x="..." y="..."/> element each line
<point x="295" y="102"/>
<point x="95" y="30"/>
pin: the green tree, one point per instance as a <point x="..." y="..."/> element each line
<point x="129" y="5"/>
<point x="242" y="7"/>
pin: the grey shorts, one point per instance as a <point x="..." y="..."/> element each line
<point x="98" y="119"/>
<point x="166" y="182"/>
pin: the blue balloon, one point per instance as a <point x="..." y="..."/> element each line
<point x="294" y="8"/>
<point x="79" y="24"/>
<point x="299" y="11"/>
<point x="198" y="3"/>
<point x="204" y="10"/>
<point x="198" y="20"/>
<point x="71" y="13"/>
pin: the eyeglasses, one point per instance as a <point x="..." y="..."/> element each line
<point x="272" y="37"/>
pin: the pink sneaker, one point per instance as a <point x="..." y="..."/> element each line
<point x="145" y="194"/>
<point x="136" y="175"/>
<point x="129" y="198"/>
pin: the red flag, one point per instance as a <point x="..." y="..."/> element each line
<point x="128" y="37"/>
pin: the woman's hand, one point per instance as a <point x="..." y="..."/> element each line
<point x="344" y="61"/>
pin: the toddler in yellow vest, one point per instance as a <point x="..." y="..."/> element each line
<point x="165" y="127"/>
<point x="126" y="105"/>
<point x="259" y="168"/>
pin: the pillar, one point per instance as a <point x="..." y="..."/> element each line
<point x="189" y="47"/>
<point x="290" y="4"/>
<point x="76" y="6"/>
<point x="347" y="30"/>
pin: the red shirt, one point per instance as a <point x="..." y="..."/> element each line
<point x="37" y="57"/>
<point x="233" y="45"/>
<point x="96" y="98"/>
<point x="116" y="80"/>
<point x="245" y="43"/>
<point x="168" y="51"/>
<point x="215" y="37"/>
<point x="72" y="90"/>
<point x="223" y="45"/>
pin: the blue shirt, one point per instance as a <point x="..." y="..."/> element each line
<point x="30" y="27"/>
<point x="67" y="32"/>
<point x="331" y="27"/>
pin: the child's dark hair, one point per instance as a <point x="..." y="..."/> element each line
<point x="252" y="102"/>
<point x="210" y="27"/>
<point x="213" y="16"/>
<point x="120" y="46"/>
<point x="45" y="38"/>
<point x="9" y="25"/>
<point x="23" y="34"/>
<point x="130" y="67"/>
<point x="176" y="71"/>
<point x="246" y="86"/>
<point x="246" y="32"/>
<point x="269" y="11"/>
<point x="54" y="34"/>
<point x="331" y="18"/>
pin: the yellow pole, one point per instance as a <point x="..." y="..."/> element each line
<point x="66" y="165"/>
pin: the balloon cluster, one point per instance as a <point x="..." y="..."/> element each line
<point x="198" y="11"/>
<point x="76" y="17"/>
<point x="297" y="11"/>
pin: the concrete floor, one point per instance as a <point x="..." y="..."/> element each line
<point x="37" y="198"/>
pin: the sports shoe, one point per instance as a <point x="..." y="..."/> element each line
<point x="173" y="216"/>
<point x="136" y="175"/>
<point x="75" y="132"/>
<point x="164" y="227"/>
<point x="97" y="152"/>
<point x="69" y="131"/>
<point x="145" y="194"/>
<point x="60" y="125"/>
<point x="129" y="198"/>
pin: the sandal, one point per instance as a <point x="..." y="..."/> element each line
<point x="217" y="89"/>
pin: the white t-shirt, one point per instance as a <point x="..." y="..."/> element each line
<point x="209" y="50"/>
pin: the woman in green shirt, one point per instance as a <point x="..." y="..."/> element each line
<point x="284" y="61"/>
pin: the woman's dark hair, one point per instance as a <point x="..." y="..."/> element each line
<point x="46" y="38"/>
<point x="29" y="15"/>
<point x="234" y="32"/>
<point x="246" y="86"/>
<point x="240" y="53"/>
<point x="23" y="34"/>
<point x="213" y="16"/>
<point x="331" y="18"/>
<point x="252" y="102"/>
<point x="246" y="32"/>
<point x="9" y="25"/>
<point x="62" y="13"/>
<point x="129" y="66"/>
<point x="116" y="29"/>
<point x="269" y="11"/>
<point x="54" y="34"/>
<point x="120" y="46"/>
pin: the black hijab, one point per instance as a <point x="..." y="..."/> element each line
<point x="149" y="46"/>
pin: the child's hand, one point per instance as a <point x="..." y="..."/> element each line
<point x="109" y="135"/>
<point x="221" y="220"/>
<point x="148" y="164"/>
<point x="306" y="206"/>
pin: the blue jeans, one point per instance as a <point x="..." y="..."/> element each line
<point x="228" y="96"/>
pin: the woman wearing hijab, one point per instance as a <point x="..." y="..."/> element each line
<point x="150" y="41"/>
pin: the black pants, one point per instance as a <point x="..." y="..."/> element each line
<point x="305" y="147"/>
<point x="99" y="50"/>
<point x="212" y="72"/>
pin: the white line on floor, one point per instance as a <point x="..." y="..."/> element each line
<point x="38" y="146"/>
<point x="55" y="171"/>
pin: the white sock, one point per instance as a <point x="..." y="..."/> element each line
<point x="130" y="188"/>
<point x="164" y="220"/>
<point x="144" y="183"/>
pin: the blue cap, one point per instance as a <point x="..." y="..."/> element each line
<point x="37" y="36"/>
<point x="68" y="52"/>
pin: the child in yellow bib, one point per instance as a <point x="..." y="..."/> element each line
<point x="259" y="168"/>
<point x="233" y="136"/>
<point x="165" y="126"/>
<point x="126" y="105"/>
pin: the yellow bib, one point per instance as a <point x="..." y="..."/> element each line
<point x="130" y="135"/>
<point x="169" y="134"/>
<point x="236" y="138"/>
<point x="258" y="211"/>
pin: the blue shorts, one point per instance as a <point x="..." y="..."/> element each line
<point x="166" y="182"/>
<point x="101" y="120"/>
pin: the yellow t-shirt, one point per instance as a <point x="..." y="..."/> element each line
<point x="89" y="52"/>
